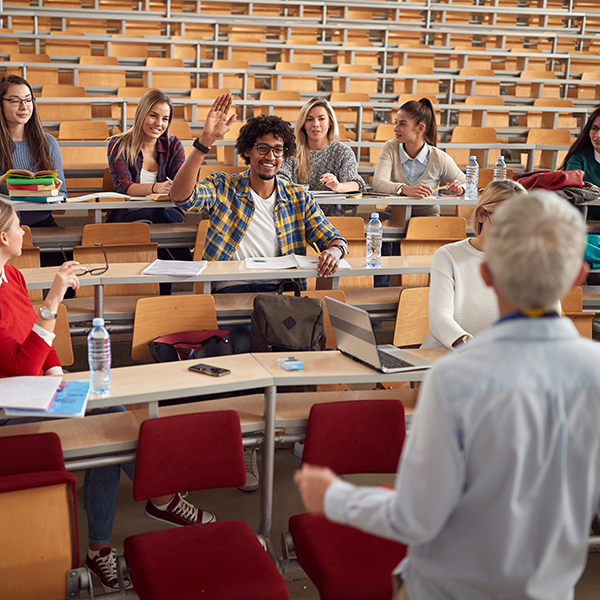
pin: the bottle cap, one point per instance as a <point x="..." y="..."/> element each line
<point x="374" y="215"/>
<point x="98" y="322"/>
<point x="501" y="157"/>
<point x="472" y="158"/>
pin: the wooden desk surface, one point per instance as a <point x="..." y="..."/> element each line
<point x="166" y="381"/>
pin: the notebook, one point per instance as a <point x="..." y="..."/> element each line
<point x="355" y="338"/>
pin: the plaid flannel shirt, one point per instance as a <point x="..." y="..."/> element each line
<point x="298" y="218"/>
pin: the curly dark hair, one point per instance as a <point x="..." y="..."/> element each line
<point x="261" y="125"/>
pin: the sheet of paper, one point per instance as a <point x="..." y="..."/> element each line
<point x="311" y="262"/>
<point x="28" y="393"/>
<point x="176" y="268"/>
<point x="272" y="262"/>
<point x="87" y="197"/>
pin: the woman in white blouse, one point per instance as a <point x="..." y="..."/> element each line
<point x="460" y="304"/>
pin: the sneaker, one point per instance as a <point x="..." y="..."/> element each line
<point x="104" y="567"/>
<point x="178" y="513"/>
<point x="252" y="481"/>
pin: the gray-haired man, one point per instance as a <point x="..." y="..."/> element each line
<point x="500" y="478"/>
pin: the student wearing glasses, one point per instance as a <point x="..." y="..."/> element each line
<point x="584" y="154"/>
<point x="26" y="339"/>
<point x="461" y="305"/>
<point x="322" y="161"/>
<point x="255" y="213"/>
<point x="23" y="143"/>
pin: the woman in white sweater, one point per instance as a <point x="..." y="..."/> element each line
<point x="410" y="164"/>
<point x="460" y="304"/>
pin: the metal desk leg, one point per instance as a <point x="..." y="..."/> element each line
<point x="99" y="300"/>
<point x="268" y="465"/>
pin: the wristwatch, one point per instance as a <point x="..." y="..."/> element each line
<point x="400" y="189"/>
<point x="201" y="147"/>
<point x="47" y="313"/>
<point x="462" y="340"/>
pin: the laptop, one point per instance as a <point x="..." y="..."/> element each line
<point x="355" y="338"/>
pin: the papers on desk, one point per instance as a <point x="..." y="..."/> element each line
<point x="28" y="393"/>
<point x="325" y="195"/>
<point x="70" y="401"/>
<point x="176" y="268"/>
<point x="102" y="197"/>
<point x="288" y="261"/>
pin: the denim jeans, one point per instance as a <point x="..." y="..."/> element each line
<point x="100" y="487"/>
<point x="100" y="491"/>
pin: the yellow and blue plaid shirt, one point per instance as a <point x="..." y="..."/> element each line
<point x="298" y="218"/>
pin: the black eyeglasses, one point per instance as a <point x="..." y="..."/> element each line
<point x="263" y="149"/>
<point x="16" y="102"/>
<point x="488" y="214"/>
<point x="89" y="270"/>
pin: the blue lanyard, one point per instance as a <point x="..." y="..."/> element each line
<point x="519" y="315"/>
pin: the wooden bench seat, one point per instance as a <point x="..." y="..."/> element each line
<point x="101" y="435"/>
<point x="168" y="235"/>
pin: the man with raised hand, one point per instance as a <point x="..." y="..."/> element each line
<point x="500" y="478"/>
<point x="255" y="213"/>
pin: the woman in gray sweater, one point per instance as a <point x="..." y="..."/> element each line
<point x="321" y="160"/>
<point x="23" y="143"/>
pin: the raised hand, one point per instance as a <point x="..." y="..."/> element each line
<point x="218" y="121"/>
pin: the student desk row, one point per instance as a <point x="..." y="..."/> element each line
<point x="143" y="386"/>
<point x="131" y="273"/>
<point x="402" y="207"/>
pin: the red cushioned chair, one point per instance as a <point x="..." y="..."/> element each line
<point x="38" y="519"/>
<point x="350" y="437"/>
<point x="213" y="561"/>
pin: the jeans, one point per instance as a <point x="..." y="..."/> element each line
<point x="100" y="487"/>
<point x="100" y="490"/>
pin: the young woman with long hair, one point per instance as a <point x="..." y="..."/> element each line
<point x="584" y="154"/>
<point x="23" y="143"/>
<point x="460" y="304"/>
<point x="411" y="164"/>
<point x="321" y="160"/>
<point x="145" y="159"/>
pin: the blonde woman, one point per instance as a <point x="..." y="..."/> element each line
<point x="321" y="160"/>
<point x="144" y="159"/>
<point x="460" y="304"/>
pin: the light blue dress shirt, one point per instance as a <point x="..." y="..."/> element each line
<point x="414" y="167"/>
<point x="500" y="477"/>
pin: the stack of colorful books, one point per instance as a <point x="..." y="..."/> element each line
<point x="43" y="186"/>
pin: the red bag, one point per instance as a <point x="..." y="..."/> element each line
<point x="550" y="180"/>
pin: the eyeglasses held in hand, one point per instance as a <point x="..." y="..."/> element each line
<point x="16" y="102"/>
<point x="89" y="270"/>
<point x="264" y="150"/>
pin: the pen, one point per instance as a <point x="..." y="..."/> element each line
<point x="316" y="248"/>
<point x="439" y="188"/>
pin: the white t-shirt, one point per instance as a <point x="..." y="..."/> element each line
<point x="148" y="176"/>
<point x="260" y="238"/>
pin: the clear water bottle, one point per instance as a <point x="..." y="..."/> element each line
<point x="99" y="358"/>
<point x="374" y="239"/>
<point x="500" y="169"/>
<point x="472" y="179"/>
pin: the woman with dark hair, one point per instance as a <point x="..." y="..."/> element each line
<point x="322" y="161"/>
<point x="23" y="143"/>
<point x="584" y="154"/>
<point x="145" y="159"/>
<point x="410" y="164"/>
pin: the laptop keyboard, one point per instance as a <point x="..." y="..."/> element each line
<point x="392" y="362"/>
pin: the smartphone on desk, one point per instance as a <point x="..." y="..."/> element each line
<point x="209" y="370"/>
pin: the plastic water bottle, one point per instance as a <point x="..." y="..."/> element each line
<point x="374" y="239"/>
<point x="99" y="358"/>
<point x="472" y="179"/>
<point x="500" y="169"/>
